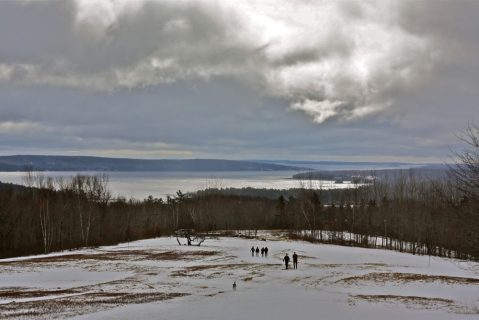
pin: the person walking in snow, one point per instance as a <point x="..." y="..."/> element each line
<point x="295" y="261"/>
<point x="234" y="286"/>
<point x="257" y="251"/>
<point x="286" y="261"/>
<point x="252" y="251"/>
<point x="262" y="251"/>
<point x="266" y="251"/>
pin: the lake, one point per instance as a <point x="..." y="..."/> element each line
<point x="140" y="185"/>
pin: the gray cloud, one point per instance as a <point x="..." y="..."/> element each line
<point x="332" y="60"/>
<point x="111" y="44"/>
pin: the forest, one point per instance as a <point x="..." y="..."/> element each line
<point x="405" y="212"/>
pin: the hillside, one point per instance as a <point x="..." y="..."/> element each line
<point x="82" y="163"/>
<point x="157" y="279"/>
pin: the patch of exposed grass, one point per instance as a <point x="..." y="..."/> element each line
<point x="415" y="299"/>
<point x="79" y="304"/>
<point x="408" y="277"/>
<point x="117" y="255"/>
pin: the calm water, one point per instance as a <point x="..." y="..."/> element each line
<point x="160" y="184"/>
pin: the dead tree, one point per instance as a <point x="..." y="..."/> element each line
<point x="466" y="167"/>
<point x="46" y="225"/>
<point x="192" y="238"/>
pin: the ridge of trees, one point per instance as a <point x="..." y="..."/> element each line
<point x="418" y="216"/>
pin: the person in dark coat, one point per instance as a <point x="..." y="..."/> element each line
<point x="252" y="251"/>
<point x="265" y="251"/>
<point x="257" y="251"/>
<point x="262" y="251"/>
<point x="295" y="261"/>
<point x="234" y="286"/>
<point x="286" y="261"/>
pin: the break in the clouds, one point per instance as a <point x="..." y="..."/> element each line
<point x="329" y="59"/>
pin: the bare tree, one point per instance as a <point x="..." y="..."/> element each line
<point x="466" y="167"/>
<point x="46" y="225"/>
<point x="93" y="189"/>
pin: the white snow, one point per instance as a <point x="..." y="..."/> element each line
<point x="385" y="284"/>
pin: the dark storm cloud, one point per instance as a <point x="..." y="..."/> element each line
<point x="111" y="44"/>
<point x="329" y="59"/>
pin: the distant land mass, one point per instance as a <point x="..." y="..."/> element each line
<point x="345" y="165"/>
<point x="427" y="171"/>
<point x="85" y="163"/>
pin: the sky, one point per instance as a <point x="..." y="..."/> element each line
<point x="252" y="79"/>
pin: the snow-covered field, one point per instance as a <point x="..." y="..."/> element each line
<point x="157" y="279"/>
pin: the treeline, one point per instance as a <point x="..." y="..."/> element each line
<point x="57" y="214"/>
<point x="406" y="213"/>
<point x="326" y="195"/>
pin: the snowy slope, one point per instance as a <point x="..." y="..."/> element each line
<point x="157" y="279"/>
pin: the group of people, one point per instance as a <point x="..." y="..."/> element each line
<point x="286" y="260"/>
<point x="264" y="251"/>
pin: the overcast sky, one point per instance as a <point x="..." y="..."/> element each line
<point x="260" y="79"/>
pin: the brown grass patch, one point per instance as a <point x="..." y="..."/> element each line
<point x="324" y="265"/>
<point x="302" y="257"/>
<point x="79" y="304"/>
<point x="408" y="277"/>
<point x="180" y="255"/>
<point x="216" y="269"/>
<point x="120" y="255"/>
<point x="348" y="265"/>
<point x="416" y="302"/>
<point x="410" y="301"/>
<point x="21" y="294"/>
<point x="215" y="294"/>
<point x="109" y="256"/>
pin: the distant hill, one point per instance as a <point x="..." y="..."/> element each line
<point x="345" y="165"/>
<point x="7" y="185"/>
<point x="81" y="163"/>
